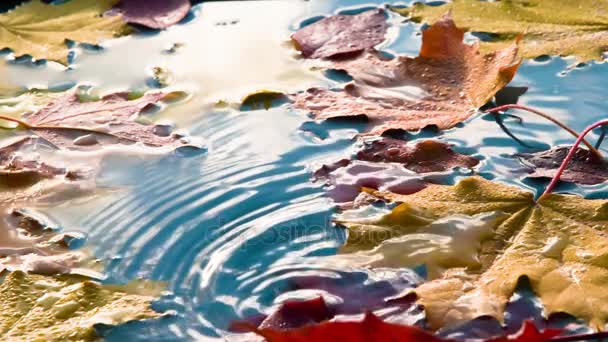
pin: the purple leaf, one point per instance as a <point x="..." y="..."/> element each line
<point x="584" y="168"/>
<point x="156" y="14"/>
<point x="341" y="34"/>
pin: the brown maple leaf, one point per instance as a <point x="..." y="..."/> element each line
<point x="443" y="86"/>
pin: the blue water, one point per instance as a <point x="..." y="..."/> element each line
<point x="228" y="229"/>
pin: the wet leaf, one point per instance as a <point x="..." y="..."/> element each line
<point x="550" y="27"/>
<point x="509" y="95"/>
<point x="355" y="292"/>
<point x="341" y="34"/>
<point x="584" y="168"/>
<point x="30" y="243"/>
<point x="15" y="171"/>
<point x="559" y="243"/>
<point x="40" y="29"/>
<point x="156" y="14"/>
<point x="421" y="157"/>
<point x="65" y="308"/>
<point x="345" y="179"/>
<point x="528" y="333"/>
<point x="351" y="294"/>
<point x="380" y="164"/>
<point x="297" y="313"/>
<point x="443" y="86"/>
<point x="26" y="176"/>
<point x="261" y="99"/>
<point x="70" y="123"/>
<point x="371" y="328"/>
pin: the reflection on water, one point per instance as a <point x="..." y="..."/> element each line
<point x="232" y="228"/>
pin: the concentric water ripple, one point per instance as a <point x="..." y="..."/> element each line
<point x="227" y="227"/>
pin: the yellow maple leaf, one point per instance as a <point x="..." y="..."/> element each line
<point x="40" y="29"/>
<point x="550" y="27"/>
<point x="66" y="308"/>
<point x="560" y="243"/>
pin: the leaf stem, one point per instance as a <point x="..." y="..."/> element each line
<point x="29" y="126"/>
<point x="548" y="117"/>
<point x="20" y="122"/>
<point x="571" y="153"/>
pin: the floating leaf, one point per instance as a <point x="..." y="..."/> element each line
<point x="69" y="123"/>
<point x="379" y="165"/>
<point x="509" y="95"/>
<point x="44" y="308"/>
<point x="443" y="86"/>
<point x="15" y="171"/>
<point x="345" y="179"/>
<point x="355" y="292"/>
<point x="40" y="29"/>
<point x="424" y="156"/>
<point x="341" y="34"/>
<point x="156" y="14"/>
<point x="261" y="99"/>
<point x="559" y="243"/>
<point x="25" y="176"/>
<point x="371" y="328"/>
<point x="583" y="168"/>
<point x="29" y="243"/>
<point x="297" y="313"/>
<point x="550" y="27"/>
<point x="351" y="293"/>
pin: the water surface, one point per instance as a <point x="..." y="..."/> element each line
<point x="230" y="228"/>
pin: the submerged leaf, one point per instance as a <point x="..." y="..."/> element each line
<point x="29" y="243"/>
<point x="559" y="243"/>
<point x="583" y="168"/>
<point x="341" y="34"/>
<point x="443" y="86"/>
<point x="424" y="156"/>
<point x="156" y="14"/>
<point x="44" y="308"/>
<point x="40" y="29"/>
<point x="18" y="171"/>
<point x="550" y="27"/>
<point x="70" y="123"/>
<point x="26" y="176"/>
<point x="370" y="329"/>
<point x="389" y="164"/>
